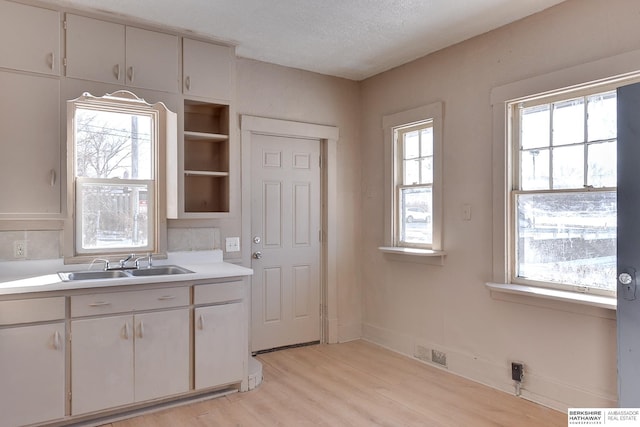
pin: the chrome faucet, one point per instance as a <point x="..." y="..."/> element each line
<point x="106" y="263"/>
<point x="147" y="257"/>
<point x="123" y="262"/>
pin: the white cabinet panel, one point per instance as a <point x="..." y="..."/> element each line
<point x="115" y="53"/>
<point x="101" y="363"/>
<point x="30" y="144"/>
<point x="207" y="69"/>
<point x="30" y="38"/>
<point x="152" y="60"/>
<point x="32" y="361"/>
<point x="161" y="354"/>
<point x="220" y="345"/>
<point x="95" y="49"/>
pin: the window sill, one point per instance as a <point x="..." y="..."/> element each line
<point x="422" y="256"/>
<point x="599" y="301"/>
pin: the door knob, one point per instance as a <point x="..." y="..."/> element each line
<point x="257" y="255"/>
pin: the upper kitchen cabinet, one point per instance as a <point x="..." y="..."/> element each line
<point x="119" y="54"/>
<point x="30" y="144"/>
<point x="207" y="70"/>
<point x="30" y="38"/>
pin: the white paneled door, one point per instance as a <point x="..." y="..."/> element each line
<point x="285" y="237"/>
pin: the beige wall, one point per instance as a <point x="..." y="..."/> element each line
<point x="569" y="351"/>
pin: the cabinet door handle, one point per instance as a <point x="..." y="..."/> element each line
<point x="53" y="60"/>
<point x="99" y="304"/>
<point x="166" y="297"/>
<point x="52" y="177"/>
<point x="126" y="331"/>
<point x="141" y="329"/>
<point x="56" y="340"/>
<point x="131" y="74"/>
<point x="187" y="82"/>
<point x="202" y="321"/>
<point x="116" y="71"/>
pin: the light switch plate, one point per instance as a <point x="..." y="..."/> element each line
<point x="232" y="244"/>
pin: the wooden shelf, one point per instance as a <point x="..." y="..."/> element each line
<point x="205" y="173"/>
<point x="204" y="136"/>
<point x="206" y="158"/>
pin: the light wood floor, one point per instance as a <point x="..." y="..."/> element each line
<point x="355" y="384"/>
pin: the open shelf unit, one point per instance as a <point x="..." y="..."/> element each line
<point x="206" y="157"/>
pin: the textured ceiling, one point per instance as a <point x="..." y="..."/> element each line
<point x="354" y="39"/>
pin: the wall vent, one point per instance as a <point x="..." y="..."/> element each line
<point x="439" y="357"/>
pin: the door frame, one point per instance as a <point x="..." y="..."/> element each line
<point x="328" y="136"/>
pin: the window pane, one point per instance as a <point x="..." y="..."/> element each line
<point x="113" y="145"/>
<point x="114" y="215"/>
<point x="426" y="142"/>
<point x="568" y="122"/>
<point x="534" y="170"/>
<point x="568" y="167"/>
<point x="567" y="238"/>
<point x="534" y="126"/>
<point x="415" y="214"/>
<point x="602" y="119"/>
<point x="411" y="172"/>
<point x="427" y="170"/>
<point x="411" y="145"/>
<point x="602" y="165"/>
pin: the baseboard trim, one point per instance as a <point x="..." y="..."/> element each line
<point x="542" y="390"/>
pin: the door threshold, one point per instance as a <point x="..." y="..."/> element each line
<point x="285" y="347"/>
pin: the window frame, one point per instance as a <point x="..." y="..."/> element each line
<point x="164" y="128"/>
<point x="513" y="130"/>
<point x="431" y="113"/>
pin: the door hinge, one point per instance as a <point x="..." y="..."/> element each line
<point x="320" y="236"/>
<point x="320" y="162"/>
<point x="64" y="24"/>
<point x="64" y="62"/>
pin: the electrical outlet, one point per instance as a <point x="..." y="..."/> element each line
<point x="20" y="249"/>
<point x="517" y="371"/>
<point x="232" y="244"/>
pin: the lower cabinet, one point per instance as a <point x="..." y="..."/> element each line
<point x="32" y="373"/>
<point x="125" y="359"/>
<point x="220" y="344"/>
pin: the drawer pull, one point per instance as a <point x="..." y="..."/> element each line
<point x="202" y="321"/>
<point x="99" y="304"/>
<point x="126" y="331"/>
<point x="141" y="329"/>
<point x="56" y="340"/>
<point x="166" y="297"/>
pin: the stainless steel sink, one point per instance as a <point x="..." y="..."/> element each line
<point x="92" y="275"/>
<point x="161" y="270"/>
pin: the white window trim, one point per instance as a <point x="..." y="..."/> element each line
<point x="435" y="254"/>
<point x="165" y="129"/>
<point x="621" y="68"/>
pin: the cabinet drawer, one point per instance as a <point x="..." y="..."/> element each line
<point x="218" y="292"/>
<point x="31" y="310"/>
<point x="122" y="302"/>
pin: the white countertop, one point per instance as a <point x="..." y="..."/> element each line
<point x="17" y="277"/>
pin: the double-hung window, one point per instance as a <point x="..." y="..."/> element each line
<point x="114" y="158"/>
<point x="563" y="198"/>
<point x="413" y="141"/>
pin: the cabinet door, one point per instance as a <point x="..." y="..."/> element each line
<point x="152" y="60"/>
<point x="161" y="354"/>
<point x="220" y="345"/>
<point x="30" y="144"/>
<point x="101" y="363"/>
<point x="206" y="69"/>
<point x="30" y="38"/>
<point x="32" y="373"/>
<point x="95" y="49"/>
